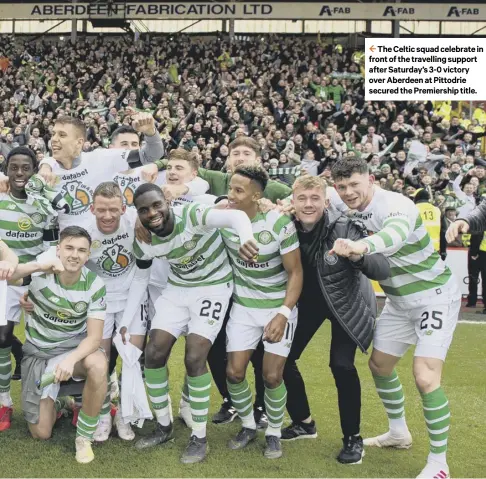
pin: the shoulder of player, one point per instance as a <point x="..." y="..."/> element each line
<point x="390" y="201"/>
<point x="92" y="281"/>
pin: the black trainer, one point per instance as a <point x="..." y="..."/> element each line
<point x="274" y="448"/>
<point x="195" y="451"/>
<point x="161" y="435"/>
<point x="225" y="415"/>
<point x="299" y="430"/>
<point x="352" y="451"/>
<point x="242" y="439"/>
<point x="261" y="418"/>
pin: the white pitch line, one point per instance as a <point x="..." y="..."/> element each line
<point x="466" y="321"/>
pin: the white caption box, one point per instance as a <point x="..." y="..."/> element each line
<point x="425" y="69"/>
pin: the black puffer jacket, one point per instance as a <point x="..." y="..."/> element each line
<point x="343" y="283"/>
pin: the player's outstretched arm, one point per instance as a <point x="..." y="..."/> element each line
<point x="50" y="266"/>
<point x="8" y="262"/>
<point x="238" y="221"/>
<point x="374" y="266"/>
<point x="476" y="220"/>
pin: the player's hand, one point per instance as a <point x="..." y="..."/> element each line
<point x="51" y="266"/>
<point x="64" y="370"/>
<point x="7" y="269"/>
<point x="265" y="205"/>
<point x="25" y="304"/>
<point x="171" y="192"/>
<point x="346" y="248"/>
<point x="46" y="172"/>
<point x="4" y="185"/>
<point x="142" y="234"/>
<point x="123" y="332"/>
<point x="144" y="123"/>
<point x="150" y="173"/>
<point x="274" y="330"/>
<point x="459" y="226"/>
<point x="286" y="208"/>
<point x="249" y="251"/>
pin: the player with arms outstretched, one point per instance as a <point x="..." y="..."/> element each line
<point x="422" y="307"/>
<point x="199" y="288"/>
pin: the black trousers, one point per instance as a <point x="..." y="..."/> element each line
<point x="217" y="360"/>
<point x="475" y="267"/>
<point x="342" y="355"/>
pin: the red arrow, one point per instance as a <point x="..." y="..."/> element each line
<point x="372" y="48"/>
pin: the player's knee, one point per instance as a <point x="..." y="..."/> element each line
<point x="5" y="337"/>
<point x="96" y="366"/>
<point x="155" y="356"/>
<point x="272" y="379"/>
<point x="379" y="369"/>
<point x="42" y="434"/>
<point x="342" y="370"/>
<point x="427" y="380"/>
<point x="195" y="363"/>
<point x="234" y="374"/>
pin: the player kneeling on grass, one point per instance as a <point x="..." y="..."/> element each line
<point x="64" y="330"/>
<point x="199" y="288"/>
<point x="266" y="292"/>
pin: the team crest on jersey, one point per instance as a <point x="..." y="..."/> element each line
<point x="80" y="307"/>
<point x="115" y="259"/>
<point x="55" y="299"/>
<point x="265" y="237"/>
<point x="330" y="259"/>
<point x="36" y="218"/>
<point x="74" y="198"/>
<point x="63" y="314"/>
<point x="25" y="223"/>
<point x="190" y="245"/>
<point x="96" y="244"/>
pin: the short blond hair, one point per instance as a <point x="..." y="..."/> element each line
<point x="184" y="155"/>
<point x="308" y="183"/>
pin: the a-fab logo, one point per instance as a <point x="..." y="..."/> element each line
<point x="115" y="259"/>
<point x="454" y="11"/>
<point x="330" y="11"/>
<point x="398" y="11"/>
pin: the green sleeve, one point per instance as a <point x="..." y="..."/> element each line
<point x="218" y="182"/>
<point x="276" y="191"/>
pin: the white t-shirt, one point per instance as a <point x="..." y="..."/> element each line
<point x="112" y="259"/>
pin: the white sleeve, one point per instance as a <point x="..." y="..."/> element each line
<point x="48" y="161"/>
<point x="138" y="288"/>
<point x="234" y="219"/>
<point x="197" y="187"/>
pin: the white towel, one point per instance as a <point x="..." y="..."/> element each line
<point x="135" y="407"/>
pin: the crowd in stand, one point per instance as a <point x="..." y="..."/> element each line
<point x="302" y="100"/>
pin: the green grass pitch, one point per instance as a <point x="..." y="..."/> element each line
<point x="464" y="382"/>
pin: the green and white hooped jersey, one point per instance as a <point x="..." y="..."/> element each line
<point x="22" y="227"/>
<point x="61" y="312"/>
<point x="396" y="228"/>
<point x="195" y="252"/>
<point x="262" y="284"/>
<point x="112" y="259"/>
